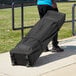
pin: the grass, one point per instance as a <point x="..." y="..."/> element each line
<point x="9" y="38"/>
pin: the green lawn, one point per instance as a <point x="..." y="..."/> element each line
<point x="9" y="38"/>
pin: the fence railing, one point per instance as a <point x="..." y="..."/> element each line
<point x="22" y="19"/>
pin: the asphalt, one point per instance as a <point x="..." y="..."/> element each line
<point x="48" y="64"/>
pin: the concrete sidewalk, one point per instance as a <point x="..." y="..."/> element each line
<point x="48" y="64"/>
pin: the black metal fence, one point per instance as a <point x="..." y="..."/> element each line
<point x="73" y="19"/>
<point x="22" y="3"/>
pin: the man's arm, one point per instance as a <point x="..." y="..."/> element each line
<point x="54" y="4"/>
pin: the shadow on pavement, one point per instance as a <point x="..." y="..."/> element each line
<point x="68" y="51"/>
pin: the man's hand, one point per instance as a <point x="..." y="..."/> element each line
<point x="54" y="4"/>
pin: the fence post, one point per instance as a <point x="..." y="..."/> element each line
<point x="73" y="19"/>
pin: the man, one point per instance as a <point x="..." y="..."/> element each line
<point x="43" y="7"/>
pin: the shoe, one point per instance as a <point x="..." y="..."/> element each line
<point x="57" y="49"/>
<point x="46" y="50"/>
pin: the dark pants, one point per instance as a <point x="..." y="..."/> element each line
<point x="42" y="11"/>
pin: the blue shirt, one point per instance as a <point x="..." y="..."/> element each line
<point x="44" y="2"/>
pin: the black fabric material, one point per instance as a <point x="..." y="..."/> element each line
<point x="44" y="8"/>
<point x="29" y="49"/>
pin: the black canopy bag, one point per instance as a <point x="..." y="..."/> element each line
<point x="30" y="48"/>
